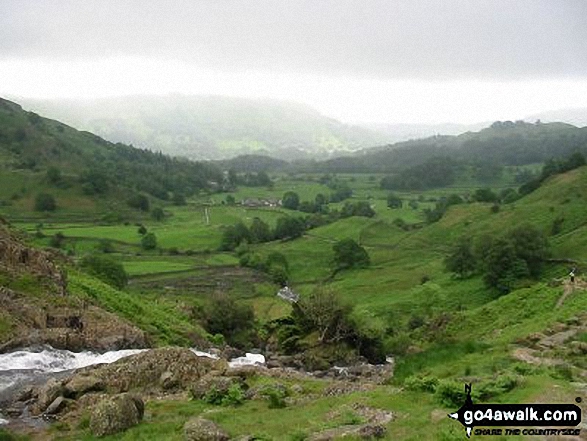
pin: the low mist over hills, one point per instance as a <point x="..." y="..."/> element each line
<point x="211" y="127"/>
<point x="575" y="116"/>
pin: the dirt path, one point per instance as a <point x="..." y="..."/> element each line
<point x="569" y="288"/>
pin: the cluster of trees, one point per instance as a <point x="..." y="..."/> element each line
<point x="287" y="227"/>
<point x="148" y="240"/>
<point x="275" y="264"/>
<point x="349" y="254"/>
<point x="553" y="167"/>
<point x="336" y="324"/>
<point x="249" y="179"/>
<point x="436" y="172"/>
<point x="45" y="202"/>
<point x="502" y="260"/>
<point x="234" y="321"/>
<point x="360" y="208"/>
<point x="291" y="200"/>
<point x="35" y="142"/>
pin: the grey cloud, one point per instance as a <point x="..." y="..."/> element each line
<point x="424" y="39"/>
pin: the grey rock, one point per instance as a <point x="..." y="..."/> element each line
<point x="82" y="384"/>
<point x="116" y="414"/>
<point x="200" y="429"/>
<point x="48" y="394"/>
<point x="56" y="406"/>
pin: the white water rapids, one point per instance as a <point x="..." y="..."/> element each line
<point x="19" y="366"/>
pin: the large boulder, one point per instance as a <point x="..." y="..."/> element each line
<point x="200" y="429"/>
<point x="208" y="382"/>
<point x="48" y="393"/>
<point x="116" y="414"/>
<point x="153" y="370"/>
<point x="82" y="384"/>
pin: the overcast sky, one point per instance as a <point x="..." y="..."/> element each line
<point x="365" y="60"/>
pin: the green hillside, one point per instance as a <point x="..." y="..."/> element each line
<point x="212" y="127"/>
<point x="506" y="319"/>
<point x="83" y="172"/>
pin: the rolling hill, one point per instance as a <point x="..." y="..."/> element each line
<point x="212" y="127"/>
<point x="87" y="172"/>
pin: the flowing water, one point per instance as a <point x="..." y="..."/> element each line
<point x="35" y="365"/>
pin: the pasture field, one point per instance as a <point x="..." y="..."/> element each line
<point x="478" y="330"/>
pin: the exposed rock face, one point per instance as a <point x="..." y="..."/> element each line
<point x="82" y="384"/>
<point x="116" y="414"/>
<point x="56" y="406"/>
<point x="146" y="370"/>
<point x="48" y="394"/>
<point x="18" y="258"/>
<point x="200" y="429"/>
<point x="45" y="313"/>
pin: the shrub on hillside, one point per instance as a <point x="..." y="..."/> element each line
<point x="421" y="384"/>
<point x="149" y="241"/>
<point x="57" y="240"/>
<point x="158" y="214"/>
<point x="349" y="254"/>
<point x="106" y="269"/>
<point x="140" y="202"/>
<point x="45" y="202"/>
<point x="452" y="394"/>
<point x="235" y="320"/>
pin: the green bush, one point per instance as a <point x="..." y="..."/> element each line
<point x="452" y="394"/>
<point x="140" y="202"/>
<point x="232" y="397"/>
<point x="349" y="254"/>
<point x="503" y="383"/>
<point x="57" y="240"/>
<point x="421" y="384"/>
<point x="149" y="241"/>
<point x="45" y="202"/>
<point x="106" y="269"/>
<point x="276" y="395"/>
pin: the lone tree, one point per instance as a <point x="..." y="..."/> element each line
<point x="260" y="231"/>
<point x="349" y="254"/>
<point x="290" y="200"/>
<point x="289" y="227"/>
<point x="462" y="261"/>
<point x="106" y="269"/>
<point x="149" y="241"/>
<point x="324" y="312"/>
<point x="54" y="175"/>
<point x="45" y="202"/>
<point x="158" y="214"/>
<point x="234" y="320"/>
<point x="394" y="201"/>
<point x="140" y="202"/>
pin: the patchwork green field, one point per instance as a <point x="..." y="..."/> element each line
<point x="436" y="325"/>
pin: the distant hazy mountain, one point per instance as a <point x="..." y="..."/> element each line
<point x="576" y="116"/>
<point x="211" y="127"/>
<point x="406" y="132"/>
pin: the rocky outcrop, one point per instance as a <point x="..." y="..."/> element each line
<point x="116" y="414"/>
<point x="16" y="257"/>
<point x="154" y="372"/>
<point x="210" y="382"/>
<point x="75" y="329"/>
<point x="374" y="425"/>
<point x="39" y="310"/>
<point x="200" y="429"/>
<point x="145" y="371"/>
